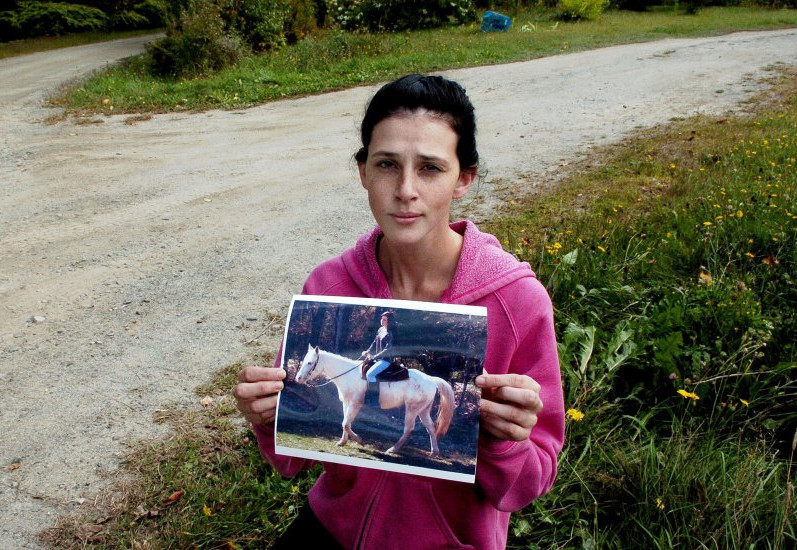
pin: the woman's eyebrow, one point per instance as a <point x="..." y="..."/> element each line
<point x="425" y="158"/>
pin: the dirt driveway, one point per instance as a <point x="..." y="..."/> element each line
<point x="135" y="260"/>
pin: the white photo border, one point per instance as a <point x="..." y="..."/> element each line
<point x="479" y="311"/>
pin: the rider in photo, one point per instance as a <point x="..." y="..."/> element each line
<point x="424" y="416"/>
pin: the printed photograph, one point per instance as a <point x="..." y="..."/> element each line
<point x="385" y="384"/>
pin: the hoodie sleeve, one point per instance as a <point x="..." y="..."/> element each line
<point x="512" y="474"/>
<point x="287" y="466"/>
<point x="325" y="279"/>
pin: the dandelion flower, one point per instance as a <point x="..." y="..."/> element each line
<point x="206" y="510"/>
<point x="659" y="504"/>
<point x="745" y="402"/>
<point x="749" y="254"/>
<point x="688" y="395"/>
<point x="706" y="278"/>
<point x="575" y="414"/>
<point x="707" y="224"/>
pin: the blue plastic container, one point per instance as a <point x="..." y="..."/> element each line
<point x="495" y="22"/>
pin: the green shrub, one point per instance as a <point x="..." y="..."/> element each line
<point x="8" y="26"/>
<point x="260" y="22"/>
<point x="575" y="10"/>
<point x="197" y="43"/>
<point x="301" y="19"/>
<point x="141" y="15"/>
<point x="399" y="15"/>
<point x="54" y="18"/>
<point x="207" y="35"/>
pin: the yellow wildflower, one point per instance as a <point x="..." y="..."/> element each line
<point x="707" y="223"/>
<point x="206" y="510"/>
<point x="575" y="414"/>
<point x="706" y="278"/>
<point x="688" y="395"/>
<point x="659" y="504"/>
<point x="745" y="402"/>
<point x="601" y="248"/>
<point x="749" y="254"/>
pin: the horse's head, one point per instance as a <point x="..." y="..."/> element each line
<point x="309" y="368"/>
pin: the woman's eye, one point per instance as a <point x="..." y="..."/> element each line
<point x="432" y="168"/>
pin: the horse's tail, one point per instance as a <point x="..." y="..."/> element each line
<point x="446" y="410"/>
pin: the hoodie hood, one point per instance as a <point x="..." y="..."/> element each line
<point x="483" y="266"/>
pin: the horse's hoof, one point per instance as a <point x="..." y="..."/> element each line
<point x="340" y="443"/>
<point x="391" y="451"/>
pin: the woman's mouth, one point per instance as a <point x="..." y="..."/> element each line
<point x="405" y="219"/>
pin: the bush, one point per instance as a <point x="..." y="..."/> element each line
<point x="53" y="18"/>
<point x="399" y="15"/>
<point x="301" y="19"/>
<point x="260" y="22"/>
<point x="208" y="35"/>
<point x="141" y="15"/>
<point x="575" y="10"/>
<point x="197" y="42"/>
<point x="8" y="26"/>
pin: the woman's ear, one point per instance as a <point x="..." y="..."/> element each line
<point x="466" y="179"/>
<point x="361" y="169"/>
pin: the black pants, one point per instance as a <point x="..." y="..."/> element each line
<point x="306" y="532"/>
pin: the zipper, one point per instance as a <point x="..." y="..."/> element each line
<point x="360" y="542"/>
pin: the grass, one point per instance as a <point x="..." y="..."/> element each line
<point x="673" y="279"/>
<point x="672" y="260"/>
<point x="46" y="43"/>
<point x="334" y="60"/>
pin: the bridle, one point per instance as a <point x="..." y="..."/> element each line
<point x="315" y="364"/>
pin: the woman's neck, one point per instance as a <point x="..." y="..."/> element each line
<point x="420" y="272"/>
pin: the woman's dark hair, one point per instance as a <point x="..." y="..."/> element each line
<point x="432" y="93"/>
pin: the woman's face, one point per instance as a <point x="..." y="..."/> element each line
<point x="384" y="321"/>
<point x="411" y="175"/>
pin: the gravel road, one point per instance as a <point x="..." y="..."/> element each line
<point x="137" y="259"/>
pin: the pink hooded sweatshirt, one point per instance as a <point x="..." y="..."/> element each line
<point x="372" y="509"/>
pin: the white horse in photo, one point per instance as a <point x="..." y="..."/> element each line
<point x="417" y="394"/>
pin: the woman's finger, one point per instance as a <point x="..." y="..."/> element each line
<point x="509" y="414"/>
<point x="503" y="429"/>
<point x="252" y="390"/>
<point x="258" y="374"/>
<point x="522" y="397"/>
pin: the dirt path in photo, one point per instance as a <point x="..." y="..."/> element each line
<point x="137" y="259"/>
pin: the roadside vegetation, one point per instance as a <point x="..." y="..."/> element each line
<point x="331" y="58"/>
<point x="671" y="259"/>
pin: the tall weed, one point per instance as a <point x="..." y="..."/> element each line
<point x="676" y="301"/>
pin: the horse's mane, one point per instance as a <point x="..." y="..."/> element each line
<point x="329" y="353"/>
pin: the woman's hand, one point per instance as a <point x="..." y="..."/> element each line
<point x="510" y="403"/>
<point x="256" y="393"/>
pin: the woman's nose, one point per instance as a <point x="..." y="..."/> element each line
<point x="407" y="187"/>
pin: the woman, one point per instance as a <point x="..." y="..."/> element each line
<point x="419" y="154"/>
<point x="375" y="354"/>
